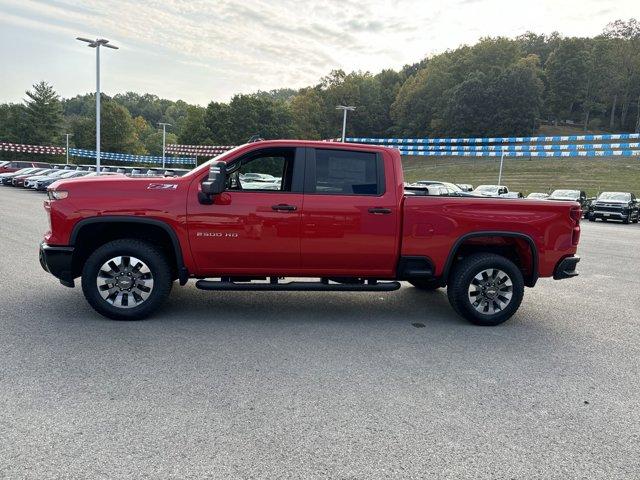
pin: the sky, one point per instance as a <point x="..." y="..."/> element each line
<point x="199" y="50"/>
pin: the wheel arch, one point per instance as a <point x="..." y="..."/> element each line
<point x="87" y="229"/>
<point x="530" y="278"/>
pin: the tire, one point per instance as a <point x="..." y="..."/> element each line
<point x="148" y="279"/>
<point x="471" y="274"/>
<point x="627" y="220"/>
<point x="425" y="284"/>
<point x="591" y="218"/>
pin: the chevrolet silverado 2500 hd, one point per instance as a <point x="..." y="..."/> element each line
<point x="334" y="212"/>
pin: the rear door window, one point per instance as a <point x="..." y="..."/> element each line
<point x="343" y="172"/>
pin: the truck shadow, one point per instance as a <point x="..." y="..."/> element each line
<point x="408" y="305"/>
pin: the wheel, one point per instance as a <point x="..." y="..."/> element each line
<point x="126" y="279"/>
<point x="425" y="284"/>
<point x="486" y="289"/>
<point x="627" y="220"/>
<point x="592" y="218"/>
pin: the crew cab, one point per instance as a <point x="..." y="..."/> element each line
<point x="615" y="206"/>
<point x="340" y="219"/>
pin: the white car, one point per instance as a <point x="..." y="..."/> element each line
<point x="32" y="181"/>
<point x="537" y="196"/>
<point x="490" y="191"/>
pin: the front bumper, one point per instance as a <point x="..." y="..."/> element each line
<point x="58" y="261"/>
<point x="619" y="215"/>
<point x="566" y="268"/>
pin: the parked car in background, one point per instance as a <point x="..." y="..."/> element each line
<point x="490" y="191"/>
<point x="31" y="181"/>
<point x="8" y="177"/>
<point x="512" y="195"/>
<point x="259" y="181"/>
<point x="465" y="187"/>
<point x="446" y="188"/>
<point x="564" y="195"/>
<point x="42" y="185"/>
<point x="13" y="166"/>
<point x="615" y="206"/>
<point x="176" y="172"/>
<point x="538" y="195"/>
<point x="18" y="180"/>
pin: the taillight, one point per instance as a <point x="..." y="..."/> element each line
<point x="576" y="214"/>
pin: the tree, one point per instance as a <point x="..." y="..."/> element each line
<point x="468" y="107"/>
<point x="516" y="99"/>
<point x="194" y="129"/>
<point x="567" y="74"/>
<point x="142" y="130"/>
<point x="117" y="130"/>
<point x="13" y="124"/>
<point x="84" y="132"/>
<point x="308" y="114"/>
<point x="153" y="142"/>
<point x="251" y="114"/>
<point x="417" y="109"/>
<point x="625" y="42"/>
<point x="43" y="115"/>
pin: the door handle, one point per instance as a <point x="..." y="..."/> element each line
<point x="284" y="208"/>
<point x="380" y="211"/>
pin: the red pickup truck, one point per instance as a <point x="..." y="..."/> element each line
<point x="337" y="213"/>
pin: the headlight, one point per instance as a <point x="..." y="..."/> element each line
<point x="57" y="194"/>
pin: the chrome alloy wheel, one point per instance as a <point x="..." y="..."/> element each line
<point x="125" y="282"/>
<point x="490" y="291"/>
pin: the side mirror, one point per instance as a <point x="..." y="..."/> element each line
<point x="217" y="179"/>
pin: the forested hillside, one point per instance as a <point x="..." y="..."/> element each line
<point x="499" y="86"/>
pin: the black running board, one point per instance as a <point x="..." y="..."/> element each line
<point x="299" y="286"/>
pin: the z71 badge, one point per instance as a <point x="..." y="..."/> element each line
<point x="162" y="186"/>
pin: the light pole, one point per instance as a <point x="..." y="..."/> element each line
<point x="68" y="135"/>
<point x="500" y="174"/>
<point x="164" y="138"/>
<point x="344" y="108"/>
<point x="97" y="43"/>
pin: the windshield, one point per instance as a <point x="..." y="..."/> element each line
<point x="450" y="187"/>
<point x="619" y="196"/>
<point x="57" y="173"/>
<point x="486" y="188"/>
<point x="565" y="194"/>
<point x="26" y="170"/>
<point x="73" y="173"/>
<point x="45" y="172"/>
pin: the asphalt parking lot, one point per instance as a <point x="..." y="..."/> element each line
<point x="317" y="385"/>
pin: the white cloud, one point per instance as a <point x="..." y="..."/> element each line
<point x="212" y="49"/>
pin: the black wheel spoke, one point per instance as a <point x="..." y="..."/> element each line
<point x="124" y="281"/>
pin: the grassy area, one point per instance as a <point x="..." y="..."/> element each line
<point x="531" y="175"/>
